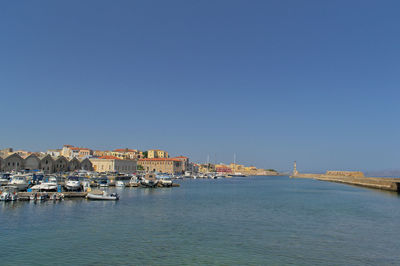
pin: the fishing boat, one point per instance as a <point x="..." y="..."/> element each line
<point x="73" y="183"/>
<point x="102" y="195"/>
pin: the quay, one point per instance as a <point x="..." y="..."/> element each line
<point x="74" y="194"/>
<point x="354" y="178"/>
<point x="26" y="195"/>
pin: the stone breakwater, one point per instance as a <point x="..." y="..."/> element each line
<point x="355" y="178"/>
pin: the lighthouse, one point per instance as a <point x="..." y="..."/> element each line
<point x="295" y="169"/>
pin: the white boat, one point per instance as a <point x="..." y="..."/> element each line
<point x="188" y="174"/>
<point x="220" y="175"/>
<point x="73" y="183"/>
<point x="102" y="195"/>
<point x="122" y="180"/>
<point x="149" y="180"/>
<point x="4" y="179"/>
<point x="237" y="174"/>
<point x="48" y="185"/>
<point x="19" y="182"/>
<point x="9" y="194"/>
<point x="164" y="180"/>
<point x="134" y="180"/>
<point x="120" y="183"/>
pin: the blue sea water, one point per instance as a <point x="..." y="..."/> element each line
<point x="237" y="221"/>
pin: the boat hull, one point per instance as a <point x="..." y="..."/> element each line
<point x="101" y="197"/>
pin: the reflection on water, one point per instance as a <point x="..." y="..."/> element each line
<point x="256" y="221"/>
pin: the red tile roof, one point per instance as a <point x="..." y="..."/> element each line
<point x="160" y="159"/>
<point x="109" y="157"/>
<point x="124" y="150"/>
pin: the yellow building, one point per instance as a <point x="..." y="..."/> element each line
<point x="126" y="153"/>
<point x="162" y="165"/>
<point x="151" y="154"/>
<point x="113" y="164"/>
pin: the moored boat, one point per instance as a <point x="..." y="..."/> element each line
<point x="73" y="183"/>
<point x="50" y="184"/>
<point x="102" y="195"/>
<point x="19" y="182"/>
<point x="149" y="180"/>
<point x="9" y="194"/>
<point x="4" y="179"/>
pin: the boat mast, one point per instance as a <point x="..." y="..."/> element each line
<point x="208" y="163"/>
<point x="234" y="163"/>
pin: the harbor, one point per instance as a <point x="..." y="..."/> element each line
<point x="203" y="216"/>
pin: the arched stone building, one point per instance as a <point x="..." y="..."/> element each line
<point x="47" y="164"/>
<point x="61" y="164"/>
<point x="86" y="164"/>
<point x="74" y="164"/>
<point x="32" y="162"/>
<point x="13" y="162"/>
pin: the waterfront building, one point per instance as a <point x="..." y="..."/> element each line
<point x="70" y="151"/>
<point x="13" y="162"/>
<point x="151" y="154"/>
<point x="99" y="153"/>
<point x="60" y="164"/>
<point x="84" y="152"/>
<point x="110" y="163"/>
<point x="54" y="152"/>
<point x="46" y="163"/>
<point x="206" y="168"/>
<point x="75" y="164"/>
<point x="126" y="154"/>
<point x="162" y="165"/>
<point x="32" y="162"/>
<point x="223" y="169"/>
<point x="85" y="164"/>
<point x="185" y="162"/>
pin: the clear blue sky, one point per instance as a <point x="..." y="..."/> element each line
<point x="273" y="81"/>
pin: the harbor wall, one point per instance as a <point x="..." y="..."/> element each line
<point x="355" y="178"/>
